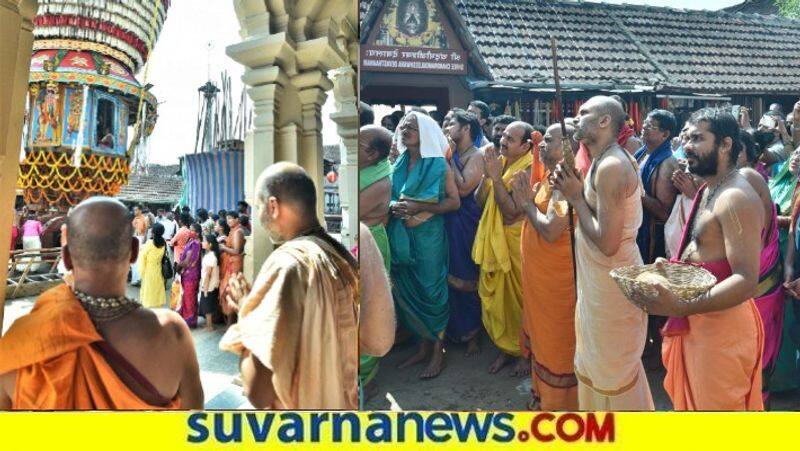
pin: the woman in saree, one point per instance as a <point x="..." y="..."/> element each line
<point x="423" y="189"/>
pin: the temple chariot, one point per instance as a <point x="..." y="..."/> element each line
<point x="86" y="110"/>
<point x="86" y="114"/>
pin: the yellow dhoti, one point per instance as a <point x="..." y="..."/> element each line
<point x="497" y="252"/>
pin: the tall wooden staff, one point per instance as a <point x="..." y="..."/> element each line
<point x="569" y="157"/>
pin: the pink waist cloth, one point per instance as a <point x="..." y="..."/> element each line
<point x="680" y="325"/>
<point x="771" y="301"/>
<point x="720" y="268"/>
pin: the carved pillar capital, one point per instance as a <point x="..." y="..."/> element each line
<point x="346" y="119"/>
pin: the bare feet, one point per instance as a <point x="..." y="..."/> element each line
<point x="436" y="364"/>
<point x="522" y="368"/>
<point x="209" y="328"/>
<point x="417" y="357"/>
<point x="502" y="360"/>
<point x="473" y="347"/>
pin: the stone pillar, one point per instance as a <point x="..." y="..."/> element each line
<point x="346" y="118"/>
<point x="16" y="42"/>
<point x="289" y="143"/>
<point x="267" y="53"/>
<point x="265" y="106"/>
<point x="313" y="87"/>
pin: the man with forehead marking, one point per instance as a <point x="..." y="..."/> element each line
<point x="548" y="283"/>
<point x="497" y="245"/>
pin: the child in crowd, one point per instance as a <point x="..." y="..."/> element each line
<point x="209" y="280"/>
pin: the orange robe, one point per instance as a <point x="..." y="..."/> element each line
<point x="548" y="313"/>
<point x="54" y="350"/>
<point x="231" y="264"/>
<point x="717" y="364"/>
<point x="713" y="360"/>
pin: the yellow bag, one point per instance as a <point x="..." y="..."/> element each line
<point x="175" y="295"/>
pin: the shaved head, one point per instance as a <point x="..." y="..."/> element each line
<point x="551" y="151"/>
<point x="99" y="231"/>
<point x="557" y="127"/>
<point x="600" y="116"/>
<point x="610" y="106"/>
<point x="555" y="130"/>
<point x="286" y="188"/>
<point x="290" y="184"/>
<point x="374" y="138"/>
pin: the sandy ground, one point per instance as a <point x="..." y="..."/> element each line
<point x="465" y="384"/>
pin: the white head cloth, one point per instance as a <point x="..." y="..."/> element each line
<point x="432" y="142"/>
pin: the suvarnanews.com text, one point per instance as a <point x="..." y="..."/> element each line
<point x="400" y="427"/>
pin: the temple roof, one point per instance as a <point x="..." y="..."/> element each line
<point x="624" y="47"/>
<point x="161" y="185"/>
<point x="763" y="7"/>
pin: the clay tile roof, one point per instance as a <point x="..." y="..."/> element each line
<point x="763" y="7"/>
<point x="630" y="45"/>
<point x="161" y="185"/>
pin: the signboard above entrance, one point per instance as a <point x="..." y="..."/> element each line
<point x="413" y="60"/>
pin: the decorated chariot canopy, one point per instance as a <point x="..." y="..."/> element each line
<point x="83" y="97"/>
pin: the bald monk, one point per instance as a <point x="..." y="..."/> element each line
<point x="626" y="138"/>
<point x="70" y="354"/>
<point x="496" y="249"/>
<point x="713" y="344"/>
<point x="610" y="331"/>
<point x="297" y="332"/>
<point x="548" y="283"/>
